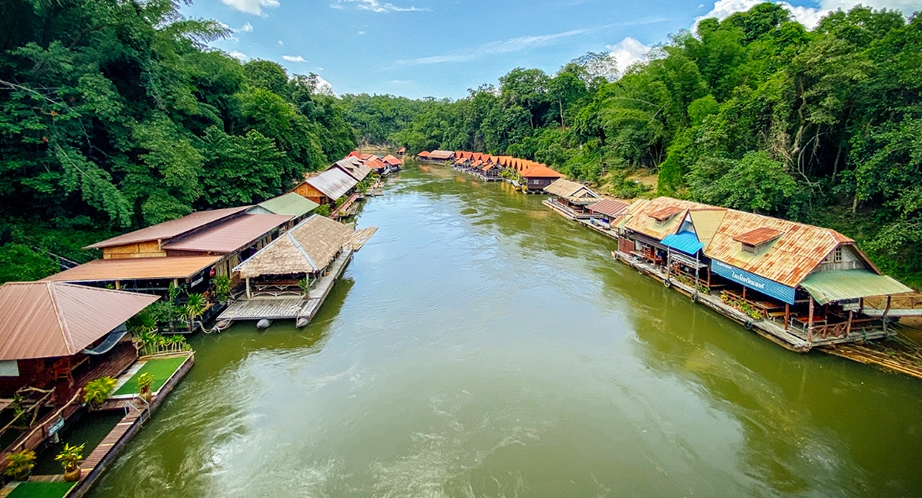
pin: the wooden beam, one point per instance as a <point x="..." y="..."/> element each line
<point x="886" y="310"/>
<point x="848" y="328"/>
<point x="249" y="295"/>
<point x="787" y="316"/>
<point x="810" y="323"/>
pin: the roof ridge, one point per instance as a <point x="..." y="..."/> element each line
<point x="59" y="315"/>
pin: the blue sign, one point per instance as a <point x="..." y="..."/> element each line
<point x="753" y="281"/>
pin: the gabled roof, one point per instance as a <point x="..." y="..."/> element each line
<point x="541" y="171"/>
<point x="237" y="234"/>
<point x="353" y="167"/>
<point x="55" y="319"/>
<point x="706" y="222"/>
<point x="786" y="259"/>
<point x="424" y="153"/>
<point x="442" y="154"/>
<point x="609" y="207"/>
<point x="393" y="161"/>
<point x="113" y="270"/>
<point x="306" y="248"/>
<point x="659" y="217"/>
<point x="333" y="183"/>
<point x="290" y="204"/>
<point x="567" y="189"/>
<point x="375" y="164"/>
<point x="169" y="229"/>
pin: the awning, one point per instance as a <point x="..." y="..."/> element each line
<point x="109" y="342"/>
<point x="686" y="242"/>
<point x="839" y="285"/>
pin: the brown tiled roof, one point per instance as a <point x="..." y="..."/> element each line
<point x="54" y="319"/>
<point x="609" y="207"/>
<point x="169" y="229"/>
<point x="306" y="248"/>
<point x="541" y="171"/>
<point x="111" y="270"/>
<point x="235" y="235"/>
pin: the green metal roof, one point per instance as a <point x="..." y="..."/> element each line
<point x="291" y="204"/>
<point x="838" y="285"/>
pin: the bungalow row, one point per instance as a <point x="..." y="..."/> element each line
<point x="530" y="176"/>
<point x="797" y="284"/>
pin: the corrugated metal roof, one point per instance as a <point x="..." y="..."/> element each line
<point x="685" y="242"/>
<point x="291" y="204"/>
<point x="541" y="171"/>
<point x="788" y="259"/>
<point x="393" y="161"/>
<point x="758" y="236"/>
<point x="609" y="207"/>
<point x="375" y="164"/>
<point x="54" y="319"/>
<point x="333" y="183"/>
<point x="642" y="220"/>
<point x="110" y="270"/>
<point x="353" y="167"/>
<point x="306" y="248"/>
<point x="236" y="234"/>
<point x="838" y="285"/>
<point x="442" y="154"/>
<point x="566" y="188"/>
<point x="170" y="229"/>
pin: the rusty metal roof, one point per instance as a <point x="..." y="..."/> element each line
<point x="54" y="319"/>
<point x="758" y="236"/>
<point x="333" y="183"/>
<point x="643" y="216"/>
<point x="111" y="270"/>
<point x="788" y="259"/>
<point x="169" y="229"/>
<point x="609" y="207"/>
<point x="236" y="234"/>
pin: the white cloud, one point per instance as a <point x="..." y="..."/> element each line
<point x="361" y="32"/>
<point x="323" y="87"/>
<point x="254" y="7"/>
<point x="375" y="6"/>
<point x="810" y="16"/>
<point x="281" y="43"/>
<point x="246" y="28"/>
<point x="238" y="55"/>
<point x="294" y="58"/>
<point x="627" y="52"/>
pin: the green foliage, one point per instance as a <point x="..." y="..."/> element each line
<point x="98" y="390"/>
<point x="222" y="287"/>
<point x="19" y="262"/>
<point x="19" y="464"/>
<point x="145" y="380"/>
<point x="70" y="457"/>
<point x="322" y="210"/>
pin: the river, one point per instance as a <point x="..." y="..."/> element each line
<point x="481" y="345"/>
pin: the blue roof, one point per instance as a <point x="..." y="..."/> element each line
<point x="686" y="242"/>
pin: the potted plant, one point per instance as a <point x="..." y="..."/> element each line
<point x="19" y="465"/>
<point x="70" y="458"/>
<point x="145" y="381"/>
<point x="97" y="391"/>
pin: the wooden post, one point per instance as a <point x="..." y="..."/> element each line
<point x="787" y="316"/>
<point x="249" y="295"/>
<point x="668" y="263"/>
<point x="848" y="328"/>
<point x="810" y="323"/>
<point x="118" y="285"/>
<point x="697" y="271"/>
<point x="886" y="310"/>
<point x="744" y="292"/>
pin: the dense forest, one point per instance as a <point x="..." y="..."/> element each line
<point x="754" y="112"/>
<point x="116" y="115"/>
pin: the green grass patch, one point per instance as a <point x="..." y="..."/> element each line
<point x="161" y="369"/>
<point x="32" y="489"/>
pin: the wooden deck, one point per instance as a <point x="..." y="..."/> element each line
<point x="360" y="238"/>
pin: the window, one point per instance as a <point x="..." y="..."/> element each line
<point x="751" y="249"/>
<point x="837" y="255"/>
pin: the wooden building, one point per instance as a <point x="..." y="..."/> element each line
<point x="327" y="187"/>
<point x="539" y="177"/>
<point x="352" y="166"/>
<point x="570" y="198"/>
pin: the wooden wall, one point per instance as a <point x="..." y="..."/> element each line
<point x="150" y="249"/>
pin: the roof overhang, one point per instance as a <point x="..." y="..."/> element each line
<point x="843" y="285"/>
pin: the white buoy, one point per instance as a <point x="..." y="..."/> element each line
<point x="263" y="324"/>
<point x="302" y="321"/>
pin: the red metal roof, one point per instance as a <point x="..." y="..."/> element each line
<point x="423" y="154"/>
<point x="393" y="161"/>
<point x="55" y="319"/>
<point x="541" y="171"/>
<point x="170" y="229"/>
<point x="375" y="164"/>
<point x="235" y="235"/>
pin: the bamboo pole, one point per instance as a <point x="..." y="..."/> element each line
<point x="848" y="328"/>
<point x="810" y="323"/>
<point x="787" y="316"/>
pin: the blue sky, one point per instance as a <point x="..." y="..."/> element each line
<point x="420" y="48"/>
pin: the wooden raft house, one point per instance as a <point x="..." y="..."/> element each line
<point x="290" y="278"/>
<point x="797" y="284"/>
<point x="570" y="199"/>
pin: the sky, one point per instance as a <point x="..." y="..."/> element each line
<point x="439" y="48"/>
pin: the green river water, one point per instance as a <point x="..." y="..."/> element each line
<point x="481" y="345"/>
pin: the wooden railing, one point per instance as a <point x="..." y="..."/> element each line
<point x="842" y="329"/>
<point x="900" y="302"/>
